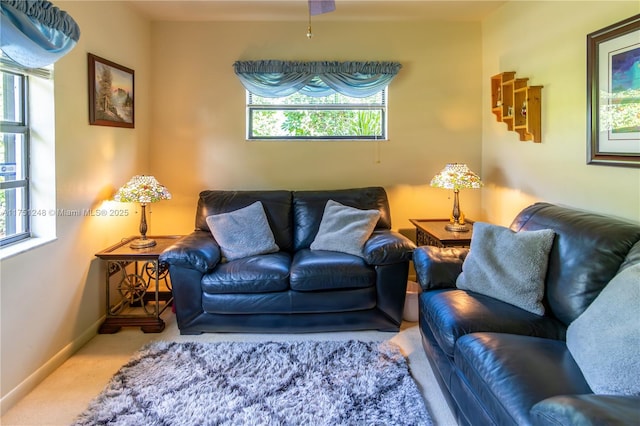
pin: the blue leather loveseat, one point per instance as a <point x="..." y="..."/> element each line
<point x="292" y="288"/>
<point x="578" y="363"/>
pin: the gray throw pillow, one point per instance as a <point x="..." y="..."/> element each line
<point x="243" y="233"/>
<point x="605" y="339"/>
<point x="508" y="266"/>
<point x="344" y="229"/>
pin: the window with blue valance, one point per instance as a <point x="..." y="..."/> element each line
<point x="274" y="79"/>
<point x="35" y="33"/>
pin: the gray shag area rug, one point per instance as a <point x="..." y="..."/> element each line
<point x="272" y="383"/>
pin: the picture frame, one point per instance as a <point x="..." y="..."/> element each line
<point x="613" y="95"/>
<point x="111" y="93"/>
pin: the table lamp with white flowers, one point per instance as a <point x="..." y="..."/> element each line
<point x="142" y="189"/>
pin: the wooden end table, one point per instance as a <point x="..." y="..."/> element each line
<point x="431" y="232"/>
<point x="136" y="275"/>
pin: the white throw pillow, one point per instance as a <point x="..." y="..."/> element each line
<point x="605" y="339"/>
<point x="344" y="229"/>
<point x="508" y="266"/>
<point x="243" y="233"/>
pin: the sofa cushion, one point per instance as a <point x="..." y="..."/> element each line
<point x="344" y="229"/>
<point x="605" y="339"/>
<point x="510" y="266"/>
<point x="329" y="270"/>
<point x="277" y="207"/>
<point x="308" y="208"/>
<point x="509" y="374"/>
<point x="453" y="313"/>
<point x="243" y="232"/>
<point x="255" y="274"/>
<point x="587" y="253"/>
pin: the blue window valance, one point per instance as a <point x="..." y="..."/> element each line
<point x="274" y="79"/>
<point x="35" y="33"/>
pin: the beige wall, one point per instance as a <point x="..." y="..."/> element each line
<point x="546" y="42"/>
<point x="198" y="113"/>
<point x="53" y="296"/>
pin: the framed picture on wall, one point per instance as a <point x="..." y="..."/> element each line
<point x="111" y="93"/>
<point x="613" y="94"/>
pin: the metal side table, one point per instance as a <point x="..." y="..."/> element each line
<point x="136" y="276"/>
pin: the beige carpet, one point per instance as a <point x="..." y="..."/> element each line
<point x="67" y="391"/>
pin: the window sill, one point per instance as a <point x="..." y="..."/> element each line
<point x="24" y="246"/>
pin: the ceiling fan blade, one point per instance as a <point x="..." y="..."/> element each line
<point x="318" y="7"/>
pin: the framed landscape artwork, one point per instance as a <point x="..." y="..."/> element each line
<point x="111" y="93"/>
<point x="613" y="94"/>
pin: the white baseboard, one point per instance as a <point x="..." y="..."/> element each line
<point x="30" y="383"/>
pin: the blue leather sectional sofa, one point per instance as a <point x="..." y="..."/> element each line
<point x="499" y="364"/>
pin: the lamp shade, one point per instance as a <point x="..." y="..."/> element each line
<point x="142" y="189"/>
<point x="456" y="176"/>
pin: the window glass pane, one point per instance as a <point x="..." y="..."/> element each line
<point x="11" y="88"/>
<point x="14" y="217"/>
<point x="317" y="123"/>
<point x="12" y="157"/>
<point x="305" y="117"/>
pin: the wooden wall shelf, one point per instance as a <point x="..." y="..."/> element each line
<point x="517" y="105"/>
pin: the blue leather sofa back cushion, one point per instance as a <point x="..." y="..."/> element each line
<point x="308" y="207"/>
<point x="277" y="207"/>
<point x="586" y="254"/>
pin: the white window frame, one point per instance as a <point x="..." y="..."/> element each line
<point x="16" y="211"/>
<point x="39" y="116"/>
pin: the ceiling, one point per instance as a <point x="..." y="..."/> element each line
<point x="294" y="10"/>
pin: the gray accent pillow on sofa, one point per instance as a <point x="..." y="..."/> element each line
<point x="344" y="229"/>
<point x="244" y="232"/>
<point x="508" y="266"/>
<point x="605" y="339"/>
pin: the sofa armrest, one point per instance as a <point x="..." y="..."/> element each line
<point x="386" y="247"/>
<point x="589" y="409"/>
<point x="198" y="250"/>
<point x="438" y="267"/>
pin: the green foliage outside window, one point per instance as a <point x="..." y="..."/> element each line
<point x="329" y="117"/>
